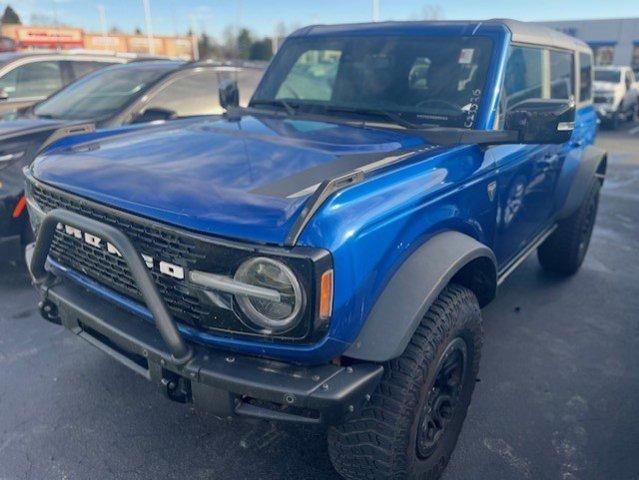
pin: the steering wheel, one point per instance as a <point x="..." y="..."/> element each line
<point x="434" y="101"/>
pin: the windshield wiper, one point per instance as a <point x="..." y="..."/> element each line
<point x="443" y="136"/>
<point x="392" y="116"/>
<point x="278" y="102"/>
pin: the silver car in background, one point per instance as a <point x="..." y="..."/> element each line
<point x="29" y="77"/>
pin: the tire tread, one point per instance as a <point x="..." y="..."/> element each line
<point x="386" y="421"/>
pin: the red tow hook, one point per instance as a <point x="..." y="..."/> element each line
<point x="17" y="211"/>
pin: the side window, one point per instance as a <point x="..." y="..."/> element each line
<point x="8" y="83"/>
<point x="524" y="75"/>
<point x="585" y="77"/>
<point x="194" y="94"/>
<point x="81" y="68"/>
<point x="604" y="54"/>
<point x="561" y="74"/>
<point x="36" y="79"/>
<point x="312" y="77"/>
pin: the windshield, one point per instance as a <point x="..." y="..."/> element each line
<point x="428" y="81"/>
<point x="100" y="94"/>
<point x="610" y="76"/>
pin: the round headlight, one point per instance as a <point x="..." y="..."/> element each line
<point x="266" y="314"/>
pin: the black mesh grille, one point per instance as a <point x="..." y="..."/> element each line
<point x="112" y="271"/>
<point x="186" y="301"/>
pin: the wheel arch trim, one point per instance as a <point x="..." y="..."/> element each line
<point x="593" y="164"/>
<point x="448" y="256"/>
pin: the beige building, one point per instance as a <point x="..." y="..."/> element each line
<point x="33" y="37"/>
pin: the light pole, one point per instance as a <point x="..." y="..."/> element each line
<point x="238" y="21"/>
<point x="194" y="41"/>
<point x="375" y="10"/>
<point x="102" y="12"/>
<point x="149" y="27"/>
<point x="276" y="40"/>
<point x="57" y="25"/>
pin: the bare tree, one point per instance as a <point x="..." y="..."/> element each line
<point x="10" y="16"/>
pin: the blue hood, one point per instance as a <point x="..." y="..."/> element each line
<point x="245" y="179"/>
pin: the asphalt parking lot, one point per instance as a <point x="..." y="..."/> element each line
<point x="558" y="396"/>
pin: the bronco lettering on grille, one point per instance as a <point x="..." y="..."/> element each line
<point x="166" y="268"/>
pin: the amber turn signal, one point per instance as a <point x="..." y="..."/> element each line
<point x="326" y="295"/>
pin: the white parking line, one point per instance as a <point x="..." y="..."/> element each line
<point x="632" y="131"/>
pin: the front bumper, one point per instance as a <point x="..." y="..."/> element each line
<point x="224" y="383"/>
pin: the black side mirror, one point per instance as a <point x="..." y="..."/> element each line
<point x="542" y="120"/>
<point x="229" y="94"/>
<point x="154" y="114"/>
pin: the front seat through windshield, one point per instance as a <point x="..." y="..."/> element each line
<point x="437" y="81"/>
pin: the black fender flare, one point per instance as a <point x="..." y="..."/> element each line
<point x="445" y="257"/>
<point x="593" y="164"/>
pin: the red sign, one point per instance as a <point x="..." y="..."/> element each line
<point x="49" y="37"/>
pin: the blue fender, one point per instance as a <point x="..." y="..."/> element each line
<point x="448" y="256"/>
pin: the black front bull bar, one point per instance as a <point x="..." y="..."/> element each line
<point x="214" y="380"/>
<point x="164" y="322"/>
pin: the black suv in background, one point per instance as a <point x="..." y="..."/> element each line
<point x="114" y="96"/>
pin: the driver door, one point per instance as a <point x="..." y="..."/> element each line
<point x="527" y="174"/>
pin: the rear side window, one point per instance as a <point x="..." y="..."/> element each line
<point x="561" y="74"/>
<point x="524" y="75"/>
<point x="585" y="77"/>
<point x="80" y="69"/>
<point x="194" y="94"/>
<point x="34" y="79"/>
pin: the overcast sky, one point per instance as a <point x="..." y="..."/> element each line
<point x="175" y="16"/>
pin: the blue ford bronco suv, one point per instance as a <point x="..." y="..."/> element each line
<point x="322" y="255"/>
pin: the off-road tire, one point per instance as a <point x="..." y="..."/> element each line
<point x="564" y="251"/>
<point x="381" y="441"/>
